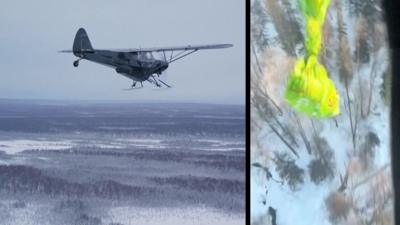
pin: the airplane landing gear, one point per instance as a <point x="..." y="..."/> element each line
<point x="76" y="63"/>
<point x="133" y="87"/>
<point x="134" y="84"/>
<point x="155" y="81"/>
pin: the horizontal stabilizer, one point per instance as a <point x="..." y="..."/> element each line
<point x="81" y="51"/>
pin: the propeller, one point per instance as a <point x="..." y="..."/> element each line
<point x="163" y="77"/>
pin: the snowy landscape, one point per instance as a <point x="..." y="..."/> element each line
<point x="121" y="163"/>
<point x="308" y="171"/>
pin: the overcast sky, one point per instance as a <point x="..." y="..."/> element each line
<point x="33" y="31"/>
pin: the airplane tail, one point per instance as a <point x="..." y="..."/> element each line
<point x="81" y="43"/>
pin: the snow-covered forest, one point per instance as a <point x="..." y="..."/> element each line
<point x="321" y="171"/>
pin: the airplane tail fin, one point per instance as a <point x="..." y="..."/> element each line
<point x="81" y="43"/>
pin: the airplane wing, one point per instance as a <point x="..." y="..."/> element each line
<point x="182" y="48"/>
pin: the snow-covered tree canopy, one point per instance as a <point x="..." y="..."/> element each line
<point x="321" y="171"/>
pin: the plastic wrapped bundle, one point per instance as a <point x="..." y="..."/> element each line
<point x="309" y="88"/>
<point x="311" y="91"/>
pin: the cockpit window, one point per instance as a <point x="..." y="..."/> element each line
<point x="145" y="55"/>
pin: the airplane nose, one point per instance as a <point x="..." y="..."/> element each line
<point x="164" y="65"/>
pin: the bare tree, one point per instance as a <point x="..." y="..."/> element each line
<point x="323" y="165"/>
<point x="259" y="21"/>
<point x="303" y="135"/>
<point x="287" y="27"/>
<point x="345" y="67"/>
<point x="288" y="170"/>
<point x="344" y="181"/>
<point x="266" y="107"/>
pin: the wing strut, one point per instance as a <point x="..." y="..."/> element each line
<point x="180" y="55"/>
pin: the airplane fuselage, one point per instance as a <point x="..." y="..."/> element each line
<point x="129" y="64"/>
<point x="136" y="64"/>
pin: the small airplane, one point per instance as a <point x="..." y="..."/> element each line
<point x="138" y="65"/>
